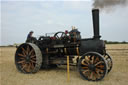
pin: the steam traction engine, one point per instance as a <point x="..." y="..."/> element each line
<point x="92" y="60"/>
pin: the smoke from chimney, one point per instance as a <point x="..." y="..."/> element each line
<point x="107" y="4"/>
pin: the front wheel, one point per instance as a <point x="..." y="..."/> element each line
<point x="92" y="66"/>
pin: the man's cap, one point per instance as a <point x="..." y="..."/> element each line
<point x="31" y="31"/>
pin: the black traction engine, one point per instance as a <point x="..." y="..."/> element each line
<point x="89" y="55"/>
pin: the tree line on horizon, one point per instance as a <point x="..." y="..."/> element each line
<point x="115" y="42"/>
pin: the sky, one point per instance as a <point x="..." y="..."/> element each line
<point x="18" y="17"/>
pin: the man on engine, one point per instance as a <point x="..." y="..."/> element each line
<point x="30" y="38"/>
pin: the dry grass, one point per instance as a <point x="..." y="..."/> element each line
<point x="10" y="76"/>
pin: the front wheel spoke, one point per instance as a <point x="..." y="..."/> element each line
<point x="100" y="66"/>
<point x="91" y="75"/>
<point x="94" y="76"/>
<point x="86" y="59"/>
<point x="96" y="60"/>
<point x="100" y="62"/>
<point x="83" y="63"/>
<point x="88" y="74"/>
<point x="92" y="61"/>
<point x="98" y="74"/>
<point x="85" y="71"/>
<point x="99" y="70"/>
<point x="84" y="67"/>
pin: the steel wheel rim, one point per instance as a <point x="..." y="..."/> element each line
<point x="26" y="58"/>
<point x="92" y="67"/>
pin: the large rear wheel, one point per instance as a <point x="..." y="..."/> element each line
<point x="28" y="58"/>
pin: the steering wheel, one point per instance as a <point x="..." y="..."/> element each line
<point x="59" y="35"/>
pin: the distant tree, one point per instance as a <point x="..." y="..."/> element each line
<point x="105" y="41"/>
<point x="124" y="42"/>
<point x="115" y="42"/>
<point x="15" y="44"/>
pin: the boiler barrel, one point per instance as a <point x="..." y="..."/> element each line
<point x="92" y="46"/>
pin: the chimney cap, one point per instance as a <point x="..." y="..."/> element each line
<point x="95" y="9"/>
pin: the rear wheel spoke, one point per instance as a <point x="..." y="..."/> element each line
<point x="32" y="65"/>
<point x="22" y="55"/>
<point x="23" y="66"/>
<point x="28" y="68"/>
<point x="24" y="51"/>
<point x="22" y="58"/>
<point x="31" y="51"/>
<point x="27" y="51"/>
<point x="33" y="61"/>
<point x="33" y="56"/>
<point x="23" y="61"/>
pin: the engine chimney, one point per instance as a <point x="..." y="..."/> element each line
<point x="95" y="17"/>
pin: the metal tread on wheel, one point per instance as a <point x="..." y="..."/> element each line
<point x="28" y="58"/>
<point x="92" y="66"/>
<point x="108" y="59"/>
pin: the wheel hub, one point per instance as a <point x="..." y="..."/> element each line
<point x="91" y="67"/>
<point x="27" y="58"/>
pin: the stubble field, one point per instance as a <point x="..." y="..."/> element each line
<point x="58" y="76"/>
